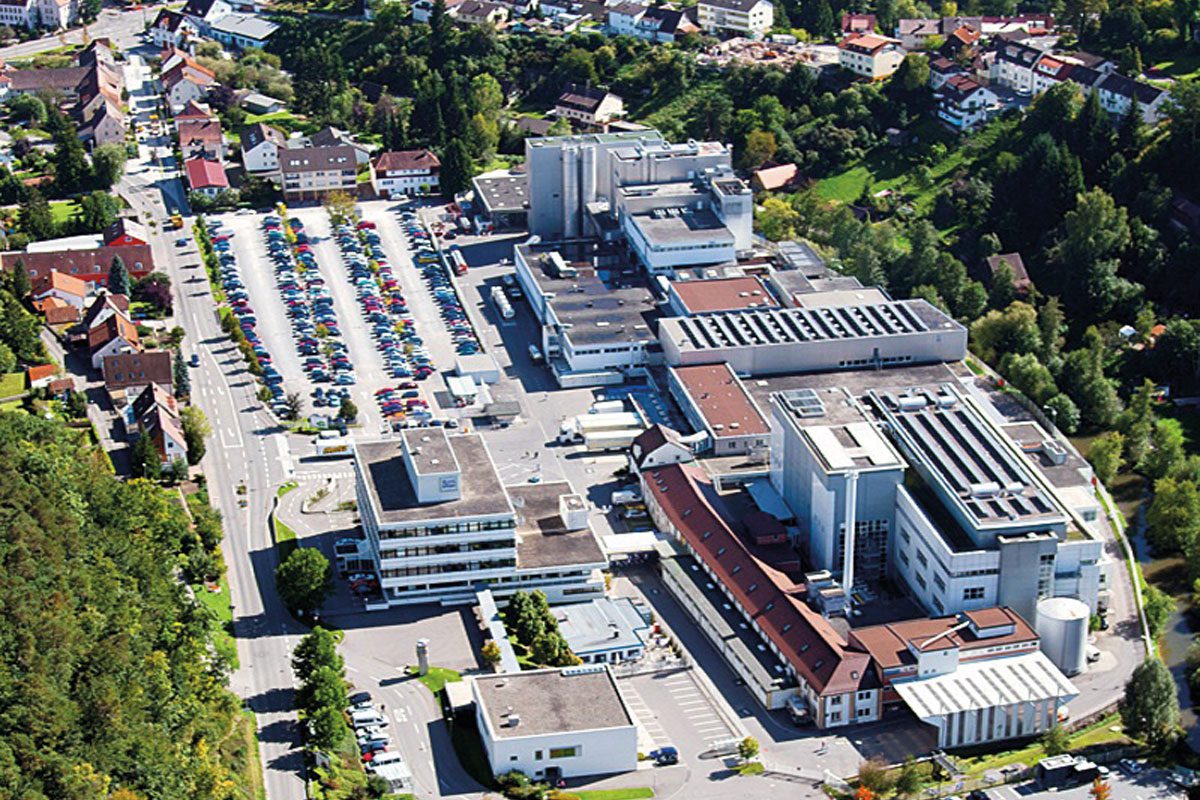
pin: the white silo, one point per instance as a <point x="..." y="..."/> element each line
<point x="1062" y="622"/>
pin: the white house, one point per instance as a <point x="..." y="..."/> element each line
<point x="405" y="172"/>
<point x="555" y="723"/>
<point x="964" y="102"/>
<point x="589" y="107"/>
<point x="870" y="55"/>
<point x="203" y="12"/>
<point x="171" y="29"/>
<point x="68" y="288"/>
<point x="260" y="148"/>
<point x="751" y="18"/>
<point x="1014" y="66"/>
<point x="116" y="335"/>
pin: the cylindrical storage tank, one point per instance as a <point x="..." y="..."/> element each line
<point x="1062" y="622"/>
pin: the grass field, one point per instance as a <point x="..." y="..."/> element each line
<point x="1186" y="65"/>
<point x="632" y="793"/>
<point x="1101" y="732"/>
<point x="62" y="211"/>
<point x="285" y="539"/>
<point x="239" y="750"/>
<point x="283" y="119"/>
<point x="436" y="679"/>
<point x="222" y="606"/>
<point x="12" y="384"/>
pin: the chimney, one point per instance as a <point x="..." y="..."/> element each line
<point x="514" y="720"/>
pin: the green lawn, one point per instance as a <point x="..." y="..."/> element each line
<point x="287" y="487"/>
<point x="222" y="606"/>
<point x="63" y="210"/>
<point x="436" y="679"/>
<point x="12" y="384"/>
<point x="12" y="406"/>
<point x="283" y="119"/>
<point x="1185" y="65"/>
<point x="750" y="768"/>
<point x="632" y="793"/>
<point x="1098" y="733"/>
<point x="285" y="538"/>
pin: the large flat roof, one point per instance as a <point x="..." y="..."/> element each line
<point x="503" y="194"/>
<point x="429" y="450"/>
<point x="721" y="399"/>
<point x="797" y="325"/>
<point x="595" y="305"/>
<point x="550" y="701"/>
<point x="390" y="486"/>
<point x="603" y="624"/>
<point x="723" y="294"/>
<point x="543" y="539"/>
<point x="937" y="428"/>
<point x="676" y="225"/>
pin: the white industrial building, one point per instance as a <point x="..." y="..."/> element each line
<point x="817" y="339"/>
<point x="439" y="524"/>
<point x="555" y="723"/>
<point x="605" y="631"/>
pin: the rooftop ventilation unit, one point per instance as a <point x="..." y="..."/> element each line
<point x="803" y="403"/>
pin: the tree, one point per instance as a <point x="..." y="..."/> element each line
<point x="777" y="219"/>
<point x="98" y="210"/>
<point x="28" y="108"/>
<point x="36" y="219"/>
<point x="348" y="412"/>
<point x="118" y="277"/>
<point x="1158" y="606"/>
<point x="1004" y="289"/>
<point x="1166" y="449"/>
<point x="1106" y="455"/>
<point x="195" y="430"/>
<point x="303" y="580"/>
<point x="1137" y="422"/>
<point x="760" y="148"/>
<point x="1086" y="251"/>
<point x="8" y="359"/>
<point x="340" y="205"/>
<point x="325" y="687"/>
<point x="908" y="780"/>
<point x="748" y="748"/>
<point x="71" y="171"/>
<point x="181" y="377"/>
<point x="1063" y="413"/>
<point x="178" y="471"/>
<point x="873" y="774"/>
<point x="490" y="652"/>
<point x="1013" y="330"/>
<point x="21" y="285"/>
<point x="1026" y="372"/>
<point x="295" y="405"/>
<point x="1173" y="518"/>
<point x="327" y="728"/>
<point x="108" y="164"/>
<point x="317" y="649"/>
<point x="457" y="171"/>
<point x="1056" y="741"/>
<point x="547" y="648"/>
<point x="1100" y="790"/>
<point x="154" y="289"/>
<point x="145" y="462"/>
<point x="1150" y="707"/>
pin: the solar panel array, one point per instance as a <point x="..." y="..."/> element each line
<point x="794" y="325"/>
<point x="953" y="442"/>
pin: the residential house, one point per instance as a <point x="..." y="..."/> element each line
<point x="310" y="172"/>
<point x="870" y="55"/>
<point x="125" y="371"/>
<point x="172" y="29"/>
<point x="658" y="446"/>
<point x="651" y="23"/>
<point x="858" y="23"/>
<point x="1119" y="94"/>
<point x="108" y="125"/>
<point x="261" y="145"/>
<point x="962" y="42"/>
<point x="57" y="14"/>
<point x="256" y="103"/>
<point x="55" y="311"/>
<point x="40" y="375"/>
<point x="422" y="9"/>
<point x="1014" y="66"/>
<point x="125" y="232"/>
<point x="916" y="34"/>
<point x="67" y="288"/>
<point x="242" y="31"/>
<point x="405" y="172"/>
<point x="194" y="111"/>
<point x="481" y="12"/>
<point x="186" y="81"/>
<point x="206" y="177"/>
<point x="751" y="18"/>
<point x="773" y="179"/>
<point x="18" y="13"/>
<point x="117" y="334"/>
<point x="103" y="306"/>
<point x="201" y="13"/>
<point x="90" y="266"/>
<point x="942" y="69"/>
<point x="330" y="136"/>
<point x="589" y="107"/>
<point x="202" y="139"/>
<point x="964" y="102"/>
<point x="1020" y="276"/>
<point x="157" y="416"/>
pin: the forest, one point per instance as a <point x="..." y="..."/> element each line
<point x="109" y="682"/>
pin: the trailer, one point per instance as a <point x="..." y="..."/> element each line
<point x="458" y="262"/>
<point x="501" y="301"/>
<point x="334" y="448"/>
<point x="602" y="441"/>
<point x="574" y="429"/>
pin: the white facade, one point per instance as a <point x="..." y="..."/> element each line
<point x="185" y="91"/>
<point x="393" y="183"/>
<point x="745" y="18"/>
<point x="262" y="159"/>
<point x="878" y="63"/>
<point x="609" y="108"/>
<point x="17" y="15"/>
<point x="112" y="347"/>
<point x="965" y="112"/>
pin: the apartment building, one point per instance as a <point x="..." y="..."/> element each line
<point x="404" y="173"/>
<point x="870" y="55"/>
<point x="964" y="103"/>
<point x="310" y="172"/>
<point x="439" y="523"/>
<point x="751" y="18"/>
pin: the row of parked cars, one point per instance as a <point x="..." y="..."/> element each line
<point x="369" y="722"/>
<point x="323" y="354"/>
<point x="430" y="263"/>
<point x="239" y="303"/>
<point x="382" y="301"/>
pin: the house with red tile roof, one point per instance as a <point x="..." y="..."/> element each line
<point x="117" y="334"/>
<point x="133" y="370"/>
<point x="405" y="172"/>
<point x="156" y="415"/>
<point x="206" y="177"/>
<point x="67" y="288"/>
<point x="90" y="266"/>
<point x="56" y="312"/>
<point x="202" y="138"/>
<point x="40" y="375"/>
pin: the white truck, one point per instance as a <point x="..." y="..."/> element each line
<point x="502" y="305"/>
<point x="600" y="441"/>
<point x="335" y="447"/>
<point x="575" y="429"/>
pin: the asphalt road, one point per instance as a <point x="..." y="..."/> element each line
<point x="123" y="27"/>
<point x="246" y="448"/>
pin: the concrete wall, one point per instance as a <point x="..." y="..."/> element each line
<point x="600" y="752"/>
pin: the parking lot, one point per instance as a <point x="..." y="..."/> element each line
<point x="674" y="710"/>
<point x="1148" y="783"/>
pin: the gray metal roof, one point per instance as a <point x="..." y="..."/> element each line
<point x="602" y="625"/>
